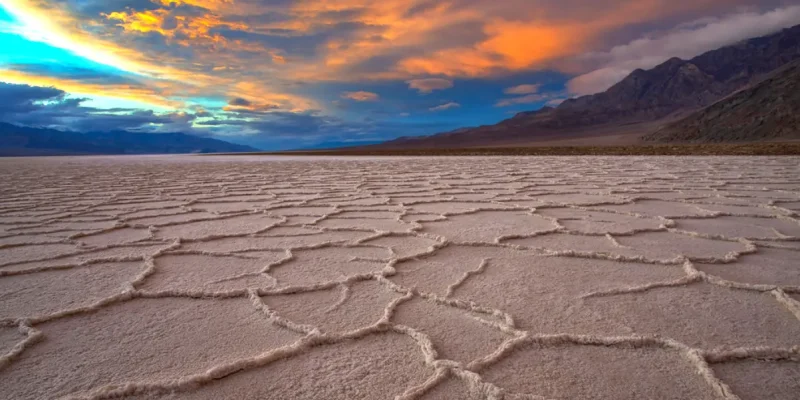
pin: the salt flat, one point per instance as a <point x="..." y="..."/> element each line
<point x="400" y="278"/>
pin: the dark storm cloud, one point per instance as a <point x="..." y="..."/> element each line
<point x="50" y="107"/>
<point x="18" y="99"/>
<point x="240" y="102"/>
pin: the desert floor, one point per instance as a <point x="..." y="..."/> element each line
<point x="400" y="278"/>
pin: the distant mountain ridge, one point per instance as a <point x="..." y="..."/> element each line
<point x="20" y="141"/>
<point x="643" y="100"/>
<point x="768" y="110"/>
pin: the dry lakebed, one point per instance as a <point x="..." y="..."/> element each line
<point x="267" y="277"/>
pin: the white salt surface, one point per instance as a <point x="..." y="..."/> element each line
<point x="155" y="277"/>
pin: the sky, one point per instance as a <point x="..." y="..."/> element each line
<point x="288" y="74"/>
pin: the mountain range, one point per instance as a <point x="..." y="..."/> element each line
<point x="25" y="141"/>
<point x="767" y="110"/>
<point x="656" y="100"/>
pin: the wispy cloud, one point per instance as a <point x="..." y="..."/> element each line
<point x="522" y="89"/>
<point x="244" y="106"/>
<point x="428" y="85"/>
<point x="445" y="106"/>
<point x="531" y="98"/>
<point x="360" y="96"/>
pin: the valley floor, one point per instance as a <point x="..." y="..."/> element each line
<point x="257" y="277"/>
<point x="571" y="148"/>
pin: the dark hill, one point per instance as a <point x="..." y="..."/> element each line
<point x="768" y="110"/>
<point x="20" y="141"/>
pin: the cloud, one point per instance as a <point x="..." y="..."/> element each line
<point x="240" y="102"/>
<point x="524" y="36"/>
<point x="360" y="96"/>
<point x="522" y="89"/>
<point x="215" y="43"/>
<point x="207" y="4"/>
<point x="531" y="98"/>
<point x="135" y="120"/>
<point x="684" y="41"/>
<point x="244" y="106"/>
<point x="52" y="108"/>
<point x="445" y="106"/>
<point x="78" y="85"/>
<point x="24" y="98"/>
<point x="428" y="85"/>
<point x="283" y="123"/>
<point x="183" y="28"/>
<point x="530" y="94"/>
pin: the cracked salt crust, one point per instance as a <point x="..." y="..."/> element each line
<point x="758" y="379"/>
<point x="437" y="278"/>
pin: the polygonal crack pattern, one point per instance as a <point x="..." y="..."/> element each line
<point x="438" y="278"/>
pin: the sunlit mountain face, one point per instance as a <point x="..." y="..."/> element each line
<point x="279" y="74"/>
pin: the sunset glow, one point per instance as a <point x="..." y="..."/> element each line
<point x="280" y="74"/>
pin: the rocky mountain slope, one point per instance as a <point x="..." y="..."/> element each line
<point x="642" y="100"/>
<point x="20" y="141"/>
<point x="767" y="110"/>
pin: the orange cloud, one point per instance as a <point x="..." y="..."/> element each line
<point x="517" y="38"/>
<point x="450" y="62"/>
<point x="385" y="26"/>
<point x="196" y="29"/>
<point x="510" y="46"/>
<point x="258" y="93"/>
<point x="360" y="96"/>
<point x="522" y="44"/>
<point x="147" y="21"/>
